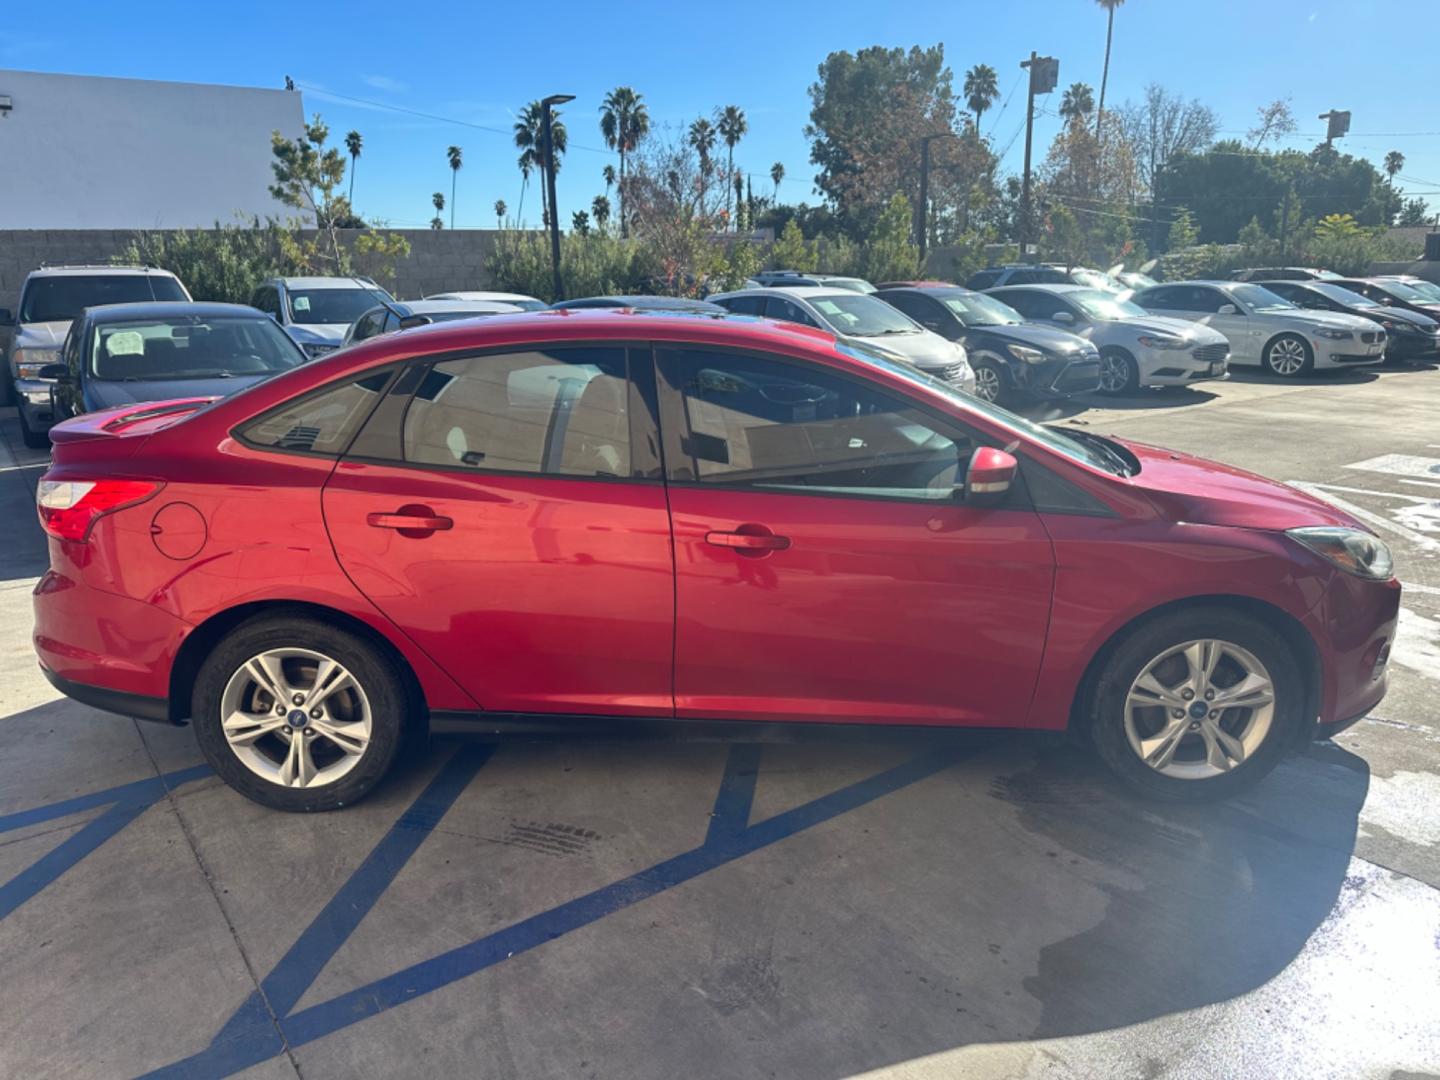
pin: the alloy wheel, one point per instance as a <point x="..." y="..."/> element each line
<point x="1199" y="709"/>
<point x="987" y="383"/>
<point x="1287" y="356"/>
<point x="296" y="717"/>
<point x="1114" y="374"/>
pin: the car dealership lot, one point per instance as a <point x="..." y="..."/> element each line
<point x="641" y="908"/>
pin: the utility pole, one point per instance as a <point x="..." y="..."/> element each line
<point x="1044" y="74"/>
<point x="1338" y="123"/>
<point x="545" y="106"/>
<point x="923" y="232"/>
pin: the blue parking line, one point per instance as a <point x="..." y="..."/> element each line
<point x="737" y="792"/>
<point x="722" y="846"/>
<point x="148" y="790"/>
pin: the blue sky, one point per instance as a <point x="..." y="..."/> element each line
<point x="475" y="65"/>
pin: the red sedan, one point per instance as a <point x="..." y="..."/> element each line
<point x="571" y="516"/>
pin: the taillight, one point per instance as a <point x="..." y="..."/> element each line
<point x="68" y="508"/>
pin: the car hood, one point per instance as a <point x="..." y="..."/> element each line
<point x="318" y="333"/>
<point x="1339" y="320"/>
<point x="1038" y="337"/>
<point x="41" y="335"/>
<point x="1197" y="491"/>
<point x="1181" y="328"/>
<point x="1414" y="319"/>
<point x="924" y="349"/>
<point x="108" y="394"/>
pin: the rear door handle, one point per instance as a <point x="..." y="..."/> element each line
<point x="410" y="519"/>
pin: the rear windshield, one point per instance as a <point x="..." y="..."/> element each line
<point x="62" y="298"/>
<point x="143" y="350"/>
<point x="318" y="306"/>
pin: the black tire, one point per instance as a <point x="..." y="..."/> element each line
<point x="999" y="378"/>
<point x="394" y="710"/>
<point x="1283" y="344"/>
<point x="35" y="440"/>
<point x="1104" y="706"/>
<point x="1131" y="383"/>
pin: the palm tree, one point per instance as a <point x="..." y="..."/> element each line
<point x="499" y="213"/>
<point x="609" y="174"/>
<point x="702" y="139"/>
<point x="438" y="199"/>
<point x="732" y="125"/>
<point x="1394" y="162"/>
<point x="624" y="121"/>
<point x="600" y="211"/>
<point x="981" y="90"/>
<point x="530" y="138"/>
<point x="353" y="143"/>
<point x="777" y="173"/>
<point x="1077" y="104"/>
<point x="1109" y="6"/>
<point x="454" y="156"/>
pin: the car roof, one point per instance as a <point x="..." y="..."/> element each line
<point x="426" y="307"/>
<point x="799" y="292"/>
<point x="478" y="294"/>
<point x="320" y="282"/>
<point x="104" y="270"/>
<point x="638" y="302"/>
<point x="1047" y="286"/>
<point x="166" y="309"/>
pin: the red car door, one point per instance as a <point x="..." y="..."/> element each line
<point x="507" y="512"/>
<point x="825" y="568"/>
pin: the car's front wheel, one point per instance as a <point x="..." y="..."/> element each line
<point x="1289" y="356"/>
<point x="299" y="715"/>
<point x="1197" y="704"/>
<point x="991" y="382"/>
<point x="1119" y="373"/>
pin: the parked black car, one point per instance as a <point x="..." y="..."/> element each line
<point x="1411" y="336"/>
<point x="642" y="303"/>
<point x="1011" y="358"/>
<point x="1394" y="294"/>
<point x="119" y="354"/>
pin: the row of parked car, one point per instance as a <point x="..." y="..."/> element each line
<point x="89" y="338"/>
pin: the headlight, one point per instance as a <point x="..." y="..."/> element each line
<point x="1333" y="334"/>
<point x="1351" y="550"/>
<point x="1391" y="328"/>
<point x="1150" y="341"/>
<point x="1025" y="355"/>
<point x="315" y="349"/>
<point x="28" y="362"/>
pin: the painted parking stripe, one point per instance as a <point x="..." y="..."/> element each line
<point x="1401" y="465"/>
<point x="1322" y="492"/>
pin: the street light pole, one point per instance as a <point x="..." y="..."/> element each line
<point x="924" y="230"/>
<point x="1044" y="72"/>
<point x="546" y="104"/>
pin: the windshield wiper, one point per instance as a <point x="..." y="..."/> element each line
<point x="1121" y="463"/>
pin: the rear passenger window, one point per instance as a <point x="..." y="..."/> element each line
<point x="322" y="423"/>
<point x="557" y="411"/>
<point x="743" y="305"/>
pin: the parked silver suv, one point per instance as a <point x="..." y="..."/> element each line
<point x="50" y="299"/>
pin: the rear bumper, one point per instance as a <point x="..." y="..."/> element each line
<point x="138" y="706"/>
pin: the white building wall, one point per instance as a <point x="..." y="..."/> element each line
<point x="79" y="152"/>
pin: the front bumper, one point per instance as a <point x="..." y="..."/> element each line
<point x="1413" y="347"/>
<point x="1180" y="367"/>
<point x="33" y="396"/>
<point x="1057" y="376"/>
<point x="1354" y="626"/>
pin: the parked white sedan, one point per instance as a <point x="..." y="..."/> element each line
<point x="1267" y="329"/>
<point x="1137" y="349"/>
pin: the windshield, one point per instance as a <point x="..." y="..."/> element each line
<point x="1094" y="279"/>
<point x="1083" y="447"/>
<point x="314" y="306"/>
<point x="854" y="284"/>
<point x="1427" y="289"/>
<point x="191" y="347"/>
<point x="859" y="315"/>
<point x="1401" y="291"/>
<point x="974" y="309"/>
<point x="1341" y="295"/>
<point x="1137" y="280"/>
<point x="1103" y="306"/>
<point x="62" y="298"/>
<point x="1259" y="298"/>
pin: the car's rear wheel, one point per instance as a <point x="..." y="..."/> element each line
<point x="298" y="715"/>
<point x="1289" y="356"/>
<point x="35" y="440"/>
<point x="1197" y="704"/>
<point x="1119" y="373"/>
<point x="991" y="381"/>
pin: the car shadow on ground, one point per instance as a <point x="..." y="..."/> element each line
<point x="1335" y="377"/>
<point x="1159" y="397"/>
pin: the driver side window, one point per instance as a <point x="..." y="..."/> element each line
<point x="788" y="426"/>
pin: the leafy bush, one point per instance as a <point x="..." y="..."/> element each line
<point x="222" y="264"/>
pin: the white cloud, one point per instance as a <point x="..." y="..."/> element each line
<point x="385" y="82"/>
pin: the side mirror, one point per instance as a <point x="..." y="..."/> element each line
<point x="6" y="318"/>
<point x="989" y="476"/>
<point x="409" y="322"/>
<point x="1228" y="309"/>
<point x="1062" y="317"/>
<point x="59" y="372"/>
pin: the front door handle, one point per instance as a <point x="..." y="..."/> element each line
<point x="754" y="540"/>
<point x="412" y="520"/>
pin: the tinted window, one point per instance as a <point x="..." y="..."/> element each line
<point x="780" y="308"/>
<point x="321" y="423"/>
<point x="1031" y="305"/>
<point x="62" y="298"/>
<point x="191" y="348"/>
<point x="791" y="427"/>
<point x="370" y="324"/>
<point x="917" y="307"/>
<point x="561" y="411"/>
<point x="1255" y="297"/>
<point x="742" y="305"/>
<point x="266" y="299"/>
<point x="316" y="306"/>
<point x="983" y="280"/>
<point x="1166" y="298"/>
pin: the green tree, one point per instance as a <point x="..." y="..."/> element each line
<point x="438" y="201"/>
<point x="222" y="264"/>
<point x="1272" y="122"/>
<point x="624" y="122"/>
<point x="738" y="183"/>
<point x="777" y="173"/>
<point x="1337" y="227"/>
<point x="500" y="209"/>
<point x="377" y="253"/>
<point x="1077" y="104"/>
<point x="600" y="211"/>
<point x="1412" y="213"/>
<point x="530" y="139"/>
<point x="791" y="251"/>
<point x="1394" y="162"/>
<point x="354" y="141"/>
<point x="730" y="122"/>
<point x="1109" y="6"/>
<point x="889" y="254"/>
<point x="455" y="157"/>
<point x="1183" y="233"/>
<point x="702" y="140"/>
<point x="307" y="172"/>
<point x="580" y="223"/>
<point x="981" y="88"/>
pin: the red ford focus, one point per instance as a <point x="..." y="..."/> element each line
<point x="575" y="516"/>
